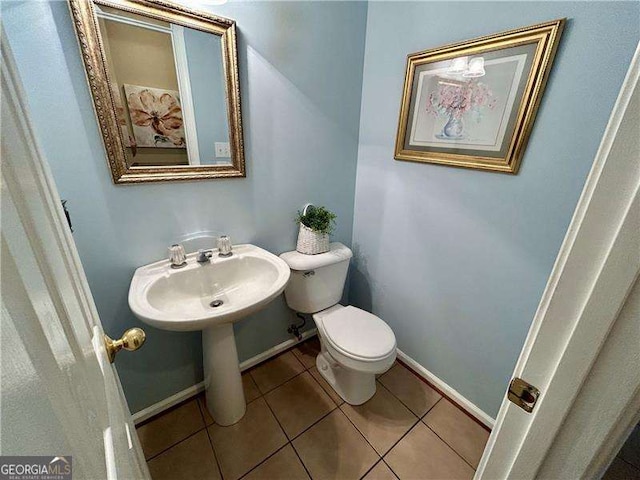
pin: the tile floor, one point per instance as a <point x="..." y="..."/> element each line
<point x="626" y="465"/>
<point x="297" y="427"/>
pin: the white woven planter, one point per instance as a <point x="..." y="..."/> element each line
<point x="311" y="242"/>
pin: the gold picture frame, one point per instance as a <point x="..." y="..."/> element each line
<point x="93" y="55"/>
<point x="493" y="83"/>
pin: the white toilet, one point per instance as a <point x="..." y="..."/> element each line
<point x="356" y="345"/>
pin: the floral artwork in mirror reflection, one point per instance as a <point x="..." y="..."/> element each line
<point x="156" y="117"/>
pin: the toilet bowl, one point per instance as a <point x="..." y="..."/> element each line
<point x="355" y="345"/>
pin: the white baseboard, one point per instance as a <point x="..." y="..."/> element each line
<point x="193" y="390"/>
<point x="167" y="403"/>
<point x="189" y="392"/>
<point x="273" y="351"/>
<point x="449" y="391"/>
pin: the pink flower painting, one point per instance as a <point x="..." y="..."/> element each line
<point x="458" y="100"/>
<point x="156" y="117"/>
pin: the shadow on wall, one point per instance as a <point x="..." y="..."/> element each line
<point x="359" y="287"/>
<point x="306" y="22"/>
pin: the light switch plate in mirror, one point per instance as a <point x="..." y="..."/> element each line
<point x="165" y="87"/>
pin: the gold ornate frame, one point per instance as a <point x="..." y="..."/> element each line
<point x="545" y="35"/>
<point x="93" y="56"/>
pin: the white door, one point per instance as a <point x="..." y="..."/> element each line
<point x="60" y="396"/>
<point x="587" y="293"/>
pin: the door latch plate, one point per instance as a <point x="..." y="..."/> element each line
<point x="523" y="394"/>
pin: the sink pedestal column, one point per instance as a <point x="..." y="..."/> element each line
<point x="222" y="380"/>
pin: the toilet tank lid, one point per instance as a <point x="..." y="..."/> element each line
<point x="299" y="261"/>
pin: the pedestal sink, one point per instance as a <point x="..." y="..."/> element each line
<point x="211" y="297"/>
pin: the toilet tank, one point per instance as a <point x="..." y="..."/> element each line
<point x="317" y="281"/>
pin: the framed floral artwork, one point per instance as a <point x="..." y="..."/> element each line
<point x="156" y="117"/>
<point x="472" y="104"/>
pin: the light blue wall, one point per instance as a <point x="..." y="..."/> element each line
<point x="456" y="260"/>
<point x="204" y="57"/>
<point x="301" y="77"/>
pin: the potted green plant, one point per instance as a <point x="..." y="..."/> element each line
<point x="316" y="223"/>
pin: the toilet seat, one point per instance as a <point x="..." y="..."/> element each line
<point x="358" y="334"/>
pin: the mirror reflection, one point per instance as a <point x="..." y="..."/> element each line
<point x="156" y="69"/>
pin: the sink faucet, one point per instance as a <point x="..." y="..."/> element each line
<point x="204" y="256"/>
<point x="177" y="257"/>
<point x="224" y="250"/>
<point x="224" y="246"/>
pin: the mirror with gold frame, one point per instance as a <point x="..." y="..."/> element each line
<point x="165" y="88"/>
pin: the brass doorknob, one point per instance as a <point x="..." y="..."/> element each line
<point x="131" y="340"/>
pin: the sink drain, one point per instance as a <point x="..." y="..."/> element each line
<point x="216" y="303"/>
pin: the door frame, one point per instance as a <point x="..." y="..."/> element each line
<point x="598" y="264"/>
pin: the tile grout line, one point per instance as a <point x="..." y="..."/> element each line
<point x="431" y="408"/>
<point x="394" y="444"/>
<point x="627" y="462"/>
<point x="204" y="420"/>
<point x="316" y="421"/>
<point x="280" y="384"/>
<point x="421" y="419"/>
<point x="276" y="419"/>
<point x="314" y="424"/>
<point x="206" y="429"/>
<point x="291" y="379"/>
<point x="219" y="426"/>
<point x="418" y="420"/>
<point x="339" y="407"/>
<point x="401" y="438"/>
<point x="263" y="461"/>
<point x="167" y="411"/>
<point x="263" y="396"/>
<point x="447" y="444"/>
<point x="391" y="469"/>
<point x="289" y="441"/>
<point x="268" y="456"/>
<point x="215" y="456"/>
<point x="324" y="389"/>
<point x="174" y="444"/>
<point x="365" y="439"/>
<point x="444" y="395"/>
<point x="300" y="459"/>
<point x="398" y="398"/>
<point x="371" y="468"/>
<point x="297" y="358"/>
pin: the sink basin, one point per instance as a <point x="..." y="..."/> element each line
<point x="210" y="297"/>
<point x="202" y="295"/>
